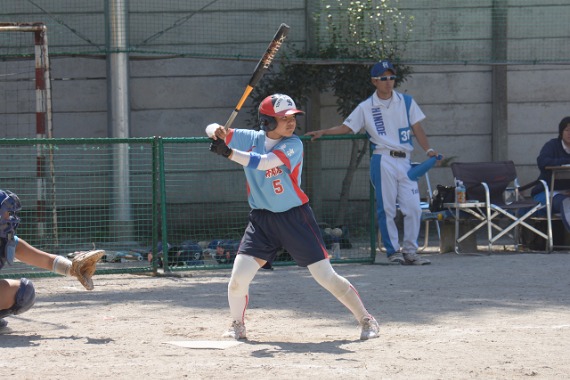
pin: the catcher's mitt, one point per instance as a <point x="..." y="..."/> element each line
<point x="83" y="266"/>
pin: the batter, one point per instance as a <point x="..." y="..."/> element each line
<point x="281" y="216"/>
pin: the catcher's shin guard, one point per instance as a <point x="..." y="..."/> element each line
<point x="25" y="299"/>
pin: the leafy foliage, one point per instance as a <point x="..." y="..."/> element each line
<point x="350" y="37"/>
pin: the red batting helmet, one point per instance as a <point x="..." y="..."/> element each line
<point x="275" y="105"/>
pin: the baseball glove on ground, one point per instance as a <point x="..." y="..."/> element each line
<point x="83" y="266"/>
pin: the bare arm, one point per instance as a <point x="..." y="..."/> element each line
<point x="422" y="139"/>
<point x="338" y="130"/>
<point x="33" y="256"/>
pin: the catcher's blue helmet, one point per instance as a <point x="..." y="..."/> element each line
<point x="9" y="202"/>
<point x="9" y="220"/>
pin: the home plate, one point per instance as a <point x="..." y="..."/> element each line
<point x="208" y="344"/>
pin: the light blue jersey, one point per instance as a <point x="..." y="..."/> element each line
<point x="277" y="189"/>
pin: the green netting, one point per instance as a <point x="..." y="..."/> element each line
<point x="206" y="197"/>
<point x="127" y="195"/>
<point x="82" y="194"/>
<point x="74" y="194"/>
<point x="17" y="89"/>
<point x="445" y="31"/>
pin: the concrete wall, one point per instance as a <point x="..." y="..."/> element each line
<point x="169" y="97"/>
<point x="457" y="104"/>
<point x="461" y="31"/>
<point x="179" y="97"/>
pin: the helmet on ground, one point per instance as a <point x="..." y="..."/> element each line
<point x="9" y="202"/>
<point x="274" y="106"/>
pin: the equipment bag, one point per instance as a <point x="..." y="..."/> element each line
<point x="442" y="194"/>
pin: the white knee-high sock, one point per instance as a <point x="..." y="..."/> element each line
<point x="353" y="302"/>
<point x="243" y="272"/>
<point x="339" y="286"/>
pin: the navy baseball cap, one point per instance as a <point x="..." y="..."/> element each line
<point x="380" y="68"/>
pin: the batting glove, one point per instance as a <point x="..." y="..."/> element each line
<point x="219" y="146"/>
<point x="211" y="129"/>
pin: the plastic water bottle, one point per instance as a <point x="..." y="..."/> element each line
<point x="460" y="192"/>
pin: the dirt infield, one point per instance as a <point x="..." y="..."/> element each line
<point x="504" y="316"/>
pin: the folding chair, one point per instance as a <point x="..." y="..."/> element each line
<point x="486" y="183"/>
<point x="428" y="216"/>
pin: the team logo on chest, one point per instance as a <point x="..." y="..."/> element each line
<point x="378" y="121"/>
<point x="273" y="172"/>
<point x="288" y="151"/>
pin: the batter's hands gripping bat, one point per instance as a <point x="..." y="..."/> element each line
<point x="261" y="68"/>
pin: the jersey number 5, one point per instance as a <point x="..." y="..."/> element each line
<point x="277" y="187"/>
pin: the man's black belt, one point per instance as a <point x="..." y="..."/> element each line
<point x="398" y="154"/>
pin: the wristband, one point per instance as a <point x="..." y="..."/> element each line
<point x="429" y="151"/>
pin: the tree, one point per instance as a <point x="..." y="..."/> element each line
<point x="350" y="36"/>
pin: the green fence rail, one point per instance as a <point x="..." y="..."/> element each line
<point x="132" y="196"/>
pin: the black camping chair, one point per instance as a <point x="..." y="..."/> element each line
<point x="486" y="183"/>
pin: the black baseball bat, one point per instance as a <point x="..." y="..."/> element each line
<point x="260" y="69"/>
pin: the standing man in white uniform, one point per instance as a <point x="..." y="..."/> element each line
<point x="389" y="119"/>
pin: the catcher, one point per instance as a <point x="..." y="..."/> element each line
<point x="18" y="296"/>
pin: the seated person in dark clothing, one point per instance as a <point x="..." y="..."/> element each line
<point x="556" y="152"/>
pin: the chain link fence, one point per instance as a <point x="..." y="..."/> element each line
<point x="133" y="196"/>
<point x="446" y="31"/>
